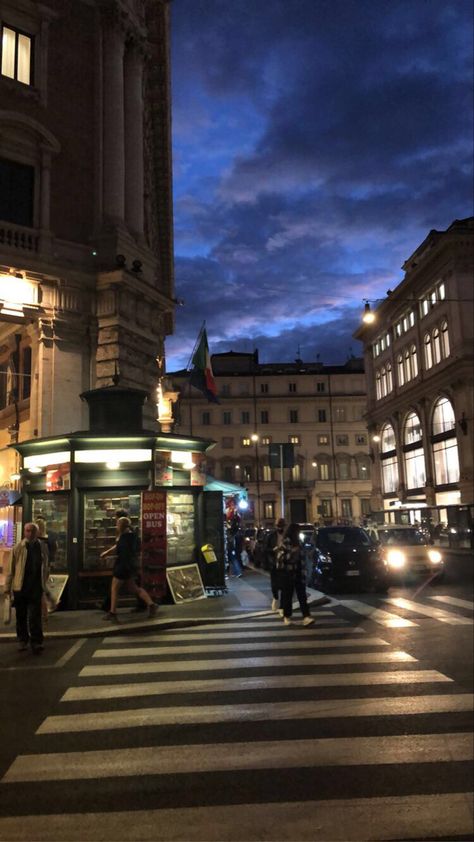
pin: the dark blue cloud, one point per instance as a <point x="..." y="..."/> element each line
<point x="316" y="142"/>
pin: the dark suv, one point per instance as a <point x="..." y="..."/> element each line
<point x="346" y="556"/>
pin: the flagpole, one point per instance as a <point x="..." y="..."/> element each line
<point x="189" y="384"/>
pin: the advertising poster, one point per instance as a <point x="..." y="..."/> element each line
<point x="58" y="477"/>
<point x="163" y="469"/>
<point x="154" y="543"/>
<point x="198" y="473"/>
<point x="185" y="583"/>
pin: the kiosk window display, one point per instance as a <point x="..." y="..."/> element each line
<point x="54" y="510"/>
<point x="100" y="524"/>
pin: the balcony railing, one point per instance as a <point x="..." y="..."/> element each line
<point x="18" y="238"/>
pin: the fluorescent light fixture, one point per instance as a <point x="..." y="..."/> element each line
<point x="117" y="454"/>
<point x="112" y="465"/>
<point x="15" y="477"/>
<point x="35" y="469"/>
<point x="180" y="457"/>
<point x="43" y="459"/>
<point x="17" y="291"/>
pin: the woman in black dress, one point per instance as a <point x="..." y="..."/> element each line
<point x="124" y="570"/>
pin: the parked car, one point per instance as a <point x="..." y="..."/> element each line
<point x="408" y="552"/>
<point x="346" y="556"/>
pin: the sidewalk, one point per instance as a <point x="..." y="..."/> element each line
<point x="247" y="596"/>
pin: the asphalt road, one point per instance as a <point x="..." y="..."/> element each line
<point x="359" y="727"/>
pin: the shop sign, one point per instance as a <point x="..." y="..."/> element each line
<point x="163" y="469"/>
<point x="58" y="477"/>
<point x="198" y="472"/>
<point x="154" y="542"/>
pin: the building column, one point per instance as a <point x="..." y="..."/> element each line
<point x="113" y="148"/>
<point x="133" y="106"/>
<point x="45" y="200"/>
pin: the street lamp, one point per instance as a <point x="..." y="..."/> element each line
<point x="255" y="438"/>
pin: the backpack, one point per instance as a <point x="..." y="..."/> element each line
<point x="283" y="560"/>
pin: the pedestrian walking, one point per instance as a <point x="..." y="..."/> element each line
<point x="292" y="568"/>
<point x="140" y="605"/>
<point x="27" y="579"/>
<point x="124" y="570"/>
<point x="274" y="542"/>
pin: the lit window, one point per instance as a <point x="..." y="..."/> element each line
<point x="389" y="474"/>
<point x="400" y="372"/>
<point x="296" y="473"/>
<point x="443" y="417"/>
<point x="323" y="440"/>
<point x="343" y="468"/>
<point x="378" y="385"/>
<point x="382" y="344"/>
<point x="346" y="508"/>
<point x="442" y="292"/>
<point x="425" y="307"/>
<point x="266" y="440"/>
<point x="323" y="470"/>
<point x="389" y="378"/>
<point x="398" y="329"/>
<point x="428" y="351"/>
<point x="269" y="510"/>
<point x="406" y="365"/>
<point x="413" y="429"/>
<point x="267" y="473"/>
<point x="326" y="508"/>
<point x="245" y="442"/>
<point x="436" y="346"/>
<point x="387" y="439"/>
<point x="383" y="382"/>
<point x="414" y="361"/>
<point x="340" y="414"/>
<point x="445" y="339"/>
<point x="411" y="318"/>
<point x="388" y="339"/>
<point x="16" y="55"/>
<point x="294" y="439"/>
<point x="446" y="461"/>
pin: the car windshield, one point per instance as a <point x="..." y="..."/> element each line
<point x="347" y="537"/>
<point x="403" y="537"/>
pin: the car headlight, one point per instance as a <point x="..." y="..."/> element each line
<point x="396" y="559"/>
<point x="301" y="536"/>
<point x="435" y="557"/>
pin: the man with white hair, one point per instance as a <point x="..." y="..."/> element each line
<point x="27" y="578"/>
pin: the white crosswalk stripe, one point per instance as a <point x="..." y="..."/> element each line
<point x="140" y="651"/>
<point x="452" y="600"/>
<point x="205" y="685"/>
<point x="384" y="618"/>
<point x="430" y="611"/>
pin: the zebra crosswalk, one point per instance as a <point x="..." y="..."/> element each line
<point x="247" y="731"/>
<point x="410" y="613"/>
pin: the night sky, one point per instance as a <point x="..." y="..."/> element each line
<point x="315" y="144"/>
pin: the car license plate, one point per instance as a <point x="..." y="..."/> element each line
<point x="353" y="573"/>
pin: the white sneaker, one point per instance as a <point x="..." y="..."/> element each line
<point x="308" y="621"/>
<point x="287" y="621"/>
<point x="274" y="605"/>
<point x="281" y="612"/>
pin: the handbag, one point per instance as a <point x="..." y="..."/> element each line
<point x="7" y="610"/>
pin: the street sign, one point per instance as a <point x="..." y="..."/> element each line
<point x="281" y="453"/>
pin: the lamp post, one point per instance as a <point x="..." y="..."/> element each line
<point x="255" y="438"/>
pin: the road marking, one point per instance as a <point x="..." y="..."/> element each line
<point x="312" y="709"/>
<point x="414" y="816"/>
<point x="70" y="652"/>
<point x="212" y="685"/>
<point x="281" y="754"/>
<point x="429" y="611"/>
<point x="236" y="647"/>
<point x="384" y="618"/>
<point x="453" y="600"/>
<point x="247" y="663"/>
<point x="339" y="627"/>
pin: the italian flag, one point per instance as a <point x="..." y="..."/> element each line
<point x="201" y="375"/>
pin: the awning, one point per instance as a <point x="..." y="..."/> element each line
<point x="213" y="484"/>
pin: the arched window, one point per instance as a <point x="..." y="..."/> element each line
<point x="378" y="386"/>
<point x="445" y="446"/>
<point x="387" y="439"/>
<point x="414" y="454"/>
<point x="445" y="339"/>
<point x="428" y="351"/>
<point x="406" y="365"/>
<point x="383" y="381"/>
<point x="400" y="372"/>
<point x="413" y="430"/>
<point x="389" y="378"/>
<point x="414" y="360"/>
<point x="436" y="346"/>
<point x="388" y="458"/>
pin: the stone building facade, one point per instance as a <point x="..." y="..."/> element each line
<point x="319" y="409"/>
<point x="419" y="363"/>
<point x="86" y="267"/>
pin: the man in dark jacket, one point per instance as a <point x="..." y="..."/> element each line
<point x="275" y="540"/>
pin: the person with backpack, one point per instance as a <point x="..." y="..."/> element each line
<point x="124" y="570"/>
<point x="292" y="573"/>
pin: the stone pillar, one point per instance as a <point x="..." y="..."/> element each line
<point x="45" y="201"/>
<point x="133" y="104"/>
<point x="113" y="147"/>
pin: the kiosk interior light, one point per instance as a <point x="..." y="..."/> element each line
<point x="123" y="454"/>
<point x="42" y="459"/>
<point x="15" y="476"/>
<point x="112" y="464"/>
<point x="35" y="469"/>
<point x="180" y="457"/>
